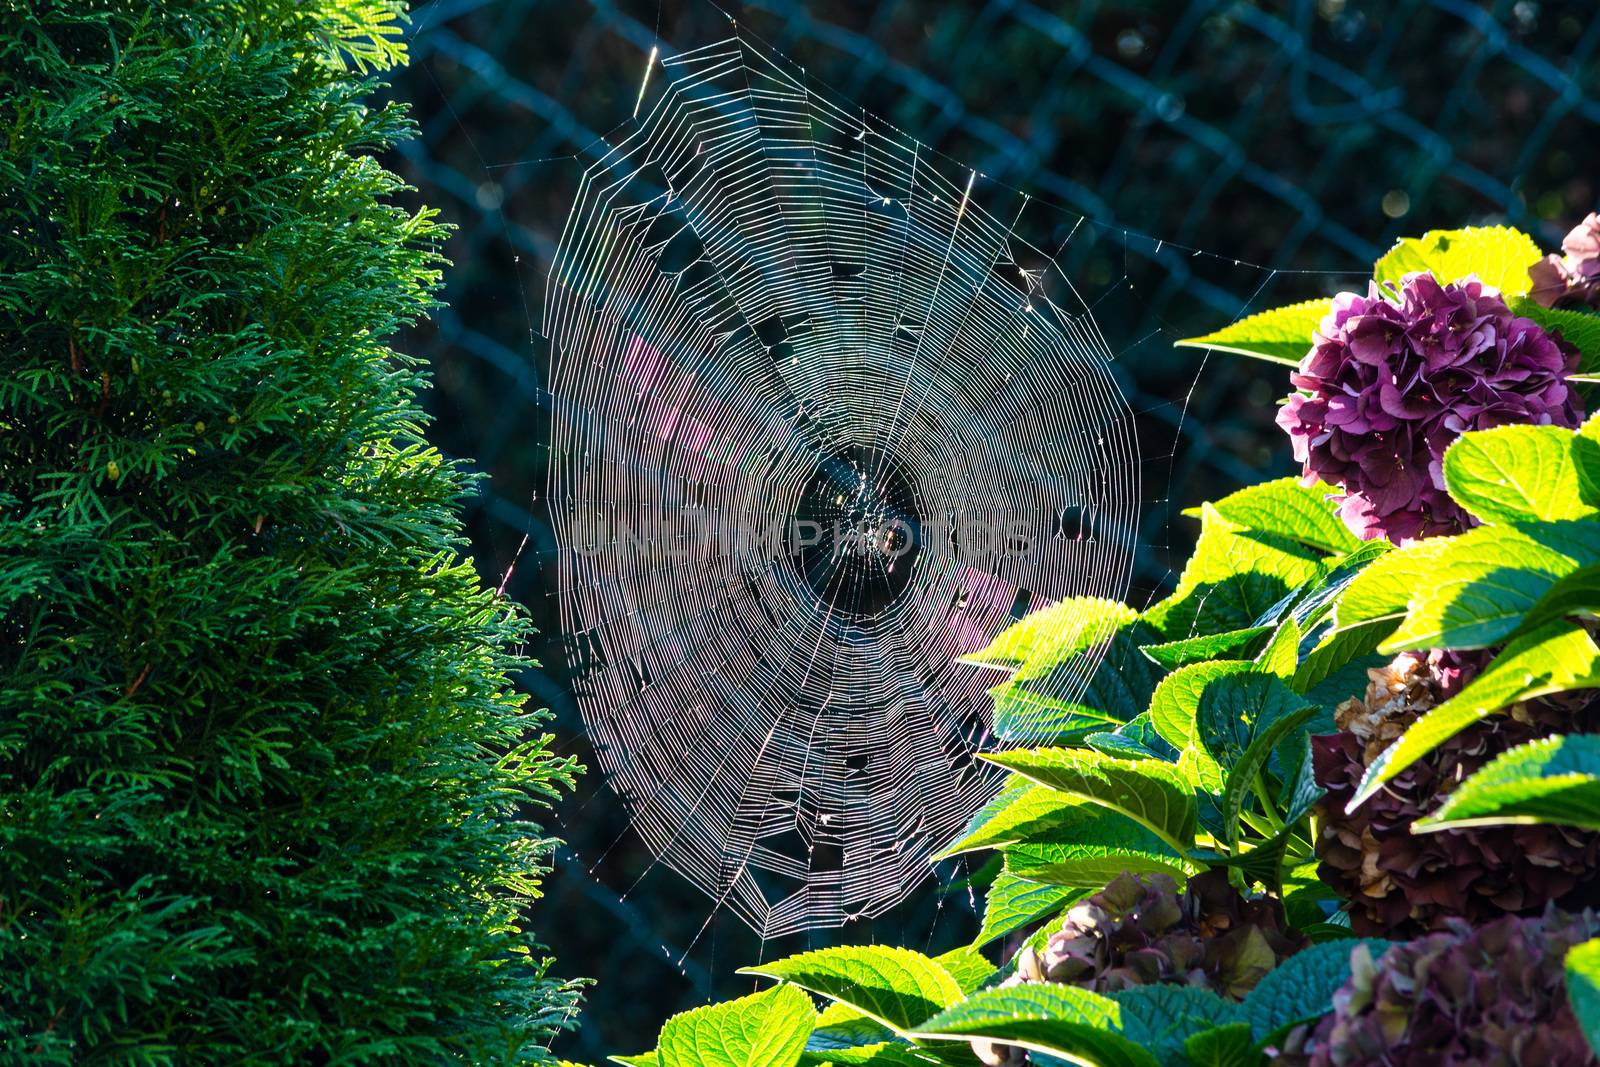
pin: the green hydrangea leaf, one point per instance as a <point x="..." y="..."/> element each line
<point x="1288" y="509"/>
<point x="1554" y="658"/>
<point x="1160" y="1018"/>
<point x="1058" y="1020"/>
<point x="967" y="966"/>
<point x="1181" y="653"/>
<point x="1575" y="595"/>
<point x="1176" y="701"/>
<point x="881" y="1054"/>
<point x="1301" y="988"/>
<point x="1013" y="903"/>
<point x="1090" y="852"/>
<point x="1142" y="728"/>
<point x="1580" y="329"/>
<point x="1331" y="662"/>
<point x="766" y="1029"/>
<point x="1380" y="593"/>
<point x="1241" y="775"/>
<point x="1232" y="579"/>
<point x="840" y="1026"/>
<point x="1118" y="745"/>
<point x="1223" y="1046"/>
<point x="1057" y="632"/>
<point x="1313" y="608"/>
<point x="895" y="986"/>
<point x="1481" y="584"/>
<point x="1498" y="255"/>
<point x="1583" y="988"/>
<point x="642" y="1059"/>
<point x="1282" y="654"/>
<point x="1020" y="810"/>
<point x="1516" y="474"/>
<point x="1237" y="708"/>
<point x="1551" y="780"/>
<point x="1061" y="699"/>
<point x="1282" y="335"/>
<point x="1149" y="792"/>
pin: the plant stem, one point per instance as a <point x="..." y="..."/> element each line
<point x="1259" y="784"/>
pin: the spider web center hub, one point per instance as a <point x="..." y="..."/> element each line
<point x="856" y="531"/>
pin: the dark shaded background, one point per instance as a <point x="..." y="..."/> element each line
<point x="1298" y="138"/>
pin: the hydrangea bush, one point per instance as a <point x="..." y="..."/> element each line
<point x="1396" y="375"/>
<point x="1334" y="800"/>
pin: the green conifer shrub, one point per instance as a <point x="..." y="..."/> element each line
<point x="264" y="780"/>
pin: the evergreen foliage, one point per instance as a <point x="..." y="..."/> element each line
<point x="264" y="780"/>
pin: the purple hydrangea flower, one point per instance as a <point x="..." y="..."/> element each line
<point x="1394" y="376"/>
<point x="1573" y="279"/>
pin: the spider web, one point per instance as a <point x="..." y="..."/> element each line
<point x="822" y="425"/>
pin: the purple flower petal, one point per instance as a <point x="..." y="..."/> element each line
<point x="1393" y="378"/>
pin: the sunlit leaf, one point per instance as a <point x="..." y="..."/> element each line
<point x="1551" y="780"/>
<point x="1498" y="256"/>
<point x="1552" y="659"/>
<point x="1281" y="335"/>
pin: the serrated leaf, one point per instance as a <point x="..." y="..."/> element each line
<point x="1481" y="583"/>
<point x="1582" y="967"/>
<point x="1060" y="700"/>
<point x="1380" y="593"/>
<point x="1287" y="508"/>
<point x="1580" y="329"/>
<point x="1340" y="685"/>
<point x="1241" y="775"/>
<point x="1554" y="658"/>
<point x="1173" y="654"/>
<point x="1282" y="335"/>
<point x="1237" y="708"/>
<point x="1301" y="988"/>
<point x="1177" y="699"/>
<point x="882" y="1054"/>
<point x="1059" y="1020"/>
<point x="1160" y="1018"/>
<point x="1196" y="764"/>
<point x="1140" y="728"/>
<point x="766" y="1029"/>
<point x="1147" y="791"/>
<point x="840" y="1026"/>
<point x="1300" y="789"/>
<point x="1551" y="780"/>
<point x="1282" y="654"/>
<point x="1312" y="610"/>
<point x="1020" y="810"/>
<point x="1013" y="903"/>
<point x="1223" y="1046"/>
<point x="1233" y="577"/>
<point x="1498" y="255"/>
<point x="1574" y="595"/>
<point x="1057" y="631"/>
<point x="1516" y="474"/>
<point x="1338" y="650"/>
<point x="641" y="1059"/>
<point x="967" y="966"/>
<point x="1093" y="851"/>
<point x="1118" y="746"/>
<point x="895" y="986"/>
<point x="1307" y="900"/>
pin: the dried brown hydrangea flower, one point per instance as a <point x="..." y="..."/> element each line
<point x="1400" y="883"/>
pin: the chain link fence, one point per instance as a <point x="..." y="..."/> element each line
<point x="1220" y="157"/>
